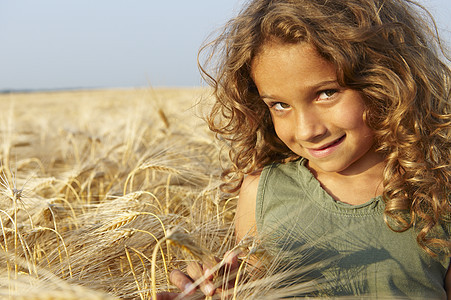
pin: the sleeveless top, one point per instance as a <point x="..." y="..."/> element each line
<point x="346" y="250"/>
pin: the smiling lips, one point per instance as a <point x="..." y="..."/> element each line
<point x="326" y="149"/>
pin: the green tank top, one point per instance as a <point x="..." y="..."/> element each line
<point x="346" y="249"/>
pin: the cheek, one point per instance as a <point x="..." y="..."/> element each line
<point x="282" y="130"/>
<point x="358" y="129"/>
<point x="351" y="118"/>
<point x="351" y="110"/>
<point x="286" y="134"/>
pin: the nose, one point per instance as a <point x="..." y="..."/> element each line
<point x="310" y="126"/>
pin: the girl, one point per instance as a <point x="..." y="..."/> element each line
<point x="338" y="115"/>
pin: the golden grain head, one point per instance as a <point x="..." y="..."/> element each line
<point x="118" y="222"/>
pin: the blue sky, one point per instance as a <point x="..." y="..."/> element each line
<point x="54" y="44"/>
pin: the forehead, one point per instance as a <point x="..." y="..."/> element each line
<point x="279" y="64"/>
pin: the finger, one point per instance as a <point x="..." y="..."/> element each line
<point x="231" y="259"/>
<point x="229" y="262"/>
<point x="182" y="281"/>
<point x="196" y="272"/>
<point x="231" y="266"/>
<point x="209" y="267"/>
<point x="208" y="272"/>
<point x="167" y="296"/>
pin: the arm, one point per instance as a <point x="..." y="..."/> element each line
<point x="245" y="224"/>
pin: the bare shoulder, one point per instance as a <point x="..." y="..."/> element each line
<point x="245" y="224"/>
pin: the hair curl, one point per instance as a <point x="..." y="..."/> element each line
<point x="386" y="50"/>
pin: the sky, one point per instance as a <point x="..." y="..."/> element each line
<point x="69" y="44"/>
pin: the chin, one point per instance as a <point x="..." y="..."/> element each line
<point x="328" y="167"/>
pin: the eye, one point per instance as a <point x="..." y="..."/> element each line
<point x="279" y="106"/>
<point x="326" y="94"/>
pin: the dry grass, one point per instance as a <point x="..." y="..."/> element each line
<point x="104" y="192"/>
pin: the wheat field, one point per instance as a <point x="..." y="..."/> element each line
<point x="91" y="181"/>
<point x="104" y="192"/>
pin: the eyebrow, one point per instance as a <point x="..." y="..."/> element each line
<point x="314" y="87"/>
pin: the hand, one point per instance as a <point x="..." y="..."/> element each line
<point x="210" y="279"/>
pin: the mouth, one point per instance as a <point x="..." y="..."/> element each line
<point x="326" y="149"/>
<point x="331" y="144"/>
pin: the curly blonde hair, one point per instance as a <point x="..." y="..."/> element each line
<point x="385" y="49"/>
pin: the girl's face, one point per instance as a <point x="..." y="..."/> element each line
<point x="312" y="114"/>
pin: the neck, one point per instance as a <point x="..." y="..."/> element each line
<point x="355" y="186"/>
